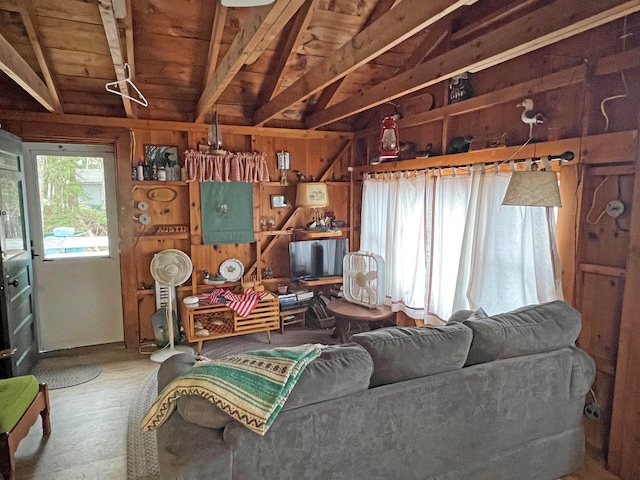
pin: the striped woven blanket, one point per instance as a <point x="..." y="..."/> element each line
<point x="251" y="387"/>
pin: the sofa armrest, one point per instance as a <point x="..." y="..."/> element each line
<point x="583" y="373"/>
<point x="173" y="367"/>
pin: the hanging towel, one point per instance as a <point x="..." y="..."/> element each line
<point x="226" y="212"/>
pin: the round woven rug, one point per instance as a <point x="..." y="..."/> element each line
<point x="62" y="376"/>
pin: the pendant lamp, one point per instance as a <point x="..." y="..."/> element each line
<point x="214" y="136"/>
<point x="536" y="187"/>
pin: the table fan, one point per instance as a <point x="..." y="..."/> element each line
<point x="170" y="268"/>
<point x="363" y="279"/>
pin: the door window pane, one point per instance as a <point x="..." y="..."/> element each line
<point x="12" y="216"/>
<point x="73" y="206"/>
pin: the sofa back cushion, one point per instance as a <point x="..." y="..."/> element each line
<point x="527" y="330"/>
<point x="339" y="370"/>
<point x="403" y="353"/>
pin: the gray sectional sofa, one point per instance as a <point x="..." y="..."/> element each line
<point x="493" y="398"/>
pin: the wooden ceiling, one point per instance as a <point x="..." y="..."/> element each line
<point x="296" y="63"/>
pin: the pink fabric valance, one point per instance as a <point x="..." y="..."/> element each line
<point x="232" y="167"/>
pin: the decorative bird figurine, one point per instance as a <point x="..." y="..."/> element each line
<point x="530" y="117"/>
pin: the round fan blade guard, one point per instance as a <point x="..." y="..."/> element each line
<point x="170" y="267"/>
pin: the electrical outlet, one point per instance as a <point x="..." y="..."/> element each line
<point x="592" y="411"/>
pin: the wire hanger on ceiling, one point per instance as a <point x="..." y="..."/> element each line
<point x="114" y="87"/>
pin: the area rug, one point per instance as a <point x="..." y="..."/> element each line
<point x="57" y="375"/>
<point x="142" y="463"/>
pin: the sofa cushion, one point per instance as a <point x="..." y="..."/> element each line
<point x="403" y="353"/>
<point x="339" y="370"/>
<point x="527" y="330"/>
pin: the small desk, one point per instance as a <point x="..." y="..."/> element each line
<point x="299" y="316"/>
<point x="346" y="312"/>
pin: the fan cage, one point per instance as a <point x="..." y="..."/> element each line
<point x="171" y="267"/>
<point x="363" y="279"/>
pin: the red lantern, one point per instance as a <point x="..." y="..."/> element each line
<point x="389" y="144"/>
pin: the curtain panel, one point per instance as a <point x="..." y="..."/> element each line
<point x="450" y="244"/>
<point x="232" y="167"/>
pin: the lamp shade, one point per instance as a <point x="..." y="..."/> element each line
<point x="533" y="189"/>
<point x="312" y="195"/>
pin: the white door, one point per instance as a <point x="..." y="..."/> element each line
<point x="73" y="222"/>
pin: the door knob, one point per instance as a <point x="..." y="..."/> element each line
<point x="15" y="283"/>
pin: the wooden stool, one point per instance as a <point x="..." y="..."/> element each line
<point x="21" y="401"/>
<point x="298" y="314"/>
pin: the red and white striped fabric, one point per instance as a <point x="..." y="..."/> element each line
<point x="243" y="303"/>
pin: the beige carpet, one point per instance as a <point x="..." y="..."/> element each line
<point x="142" y="463"/>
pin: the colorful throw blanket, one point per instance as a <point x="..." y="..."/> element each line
<point x="251" y="387"/>
<point x="241" y="303"/>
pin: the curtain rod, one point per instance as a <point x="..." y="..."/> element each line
<point x="395" y="166"/>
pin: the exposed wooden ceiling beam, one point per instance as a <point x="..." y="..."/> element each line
<point x="298" y="25"/>
<point x="432" y="40"/>
<point x="545" y="26"/>
<point x="15" y="67"/>
<point x="113" y="39"/>
<point x="487" y="21"/>
<point x="129" y="45"/>
<point x="258" y="30"/>
<point x="382" y="7"/>
<point x="219" y="19"/>
<point x="436" y="35"/>
<point x="395" y="26"/>
<point x="26" y="11"/>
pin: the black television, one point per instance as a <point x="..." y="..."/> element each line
<point x="313" y="259"/>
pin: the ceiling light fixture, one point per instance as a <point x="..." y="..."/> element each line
<point x="245" y="3"/>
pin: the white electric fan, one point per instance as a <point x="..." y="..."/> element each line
<point x="363" y="278"/>
<point x="170" y="268"/>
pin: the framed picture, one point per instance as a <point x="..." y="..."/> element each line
<point x="160" y="154"/>
<point x="278" y="201"/>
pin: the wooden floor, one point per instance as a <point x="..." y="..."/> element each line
<point x="89" y="424"/>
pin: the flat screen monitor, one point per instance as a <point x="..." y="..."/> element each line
<point x="313" y="259"/>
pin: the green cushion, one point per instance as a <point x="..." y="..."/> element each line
<point x="16" y="394"/>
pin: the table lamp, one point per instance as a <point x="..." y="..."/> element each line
<point x="312" y="195"/>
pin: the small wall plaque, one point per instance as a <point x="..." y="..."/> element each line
<point x="278" y="201"/>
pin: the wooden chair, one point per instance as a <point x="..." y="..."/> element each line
<point x="18" y="393"/>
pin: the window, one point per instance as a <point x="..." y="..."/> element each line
<point x="73" y="206"/>
<point x="449" y="244"/>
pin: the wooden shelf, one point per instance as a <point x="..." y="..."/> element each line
<point x="267" y="233"/>
<point x="158" y="183"/>
<point x="168" y="236"/>
<point x="320" y="281"/>
<point x="313" y="234"/>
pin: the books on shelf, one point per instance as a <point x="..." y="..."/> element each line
<point x="304" y="295"/>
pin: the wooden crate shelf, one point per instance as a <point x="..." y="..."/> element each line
<point x="220" y="321"/>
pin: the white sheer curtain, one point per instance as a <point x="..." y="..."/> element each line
<point x="449" y="244"/>
<point x="396" y="210"/>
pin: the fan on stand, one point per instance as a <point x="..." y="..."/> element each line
<point x="170" y="268"/>
<point x="363" y="279"/>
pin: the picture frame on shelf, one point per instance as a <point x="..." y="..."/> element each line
<point x="160" y="154"/>
<point x="278" y="201"/>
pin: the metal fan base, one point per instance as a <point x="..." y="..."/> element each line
<point x="161" y="355"/>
